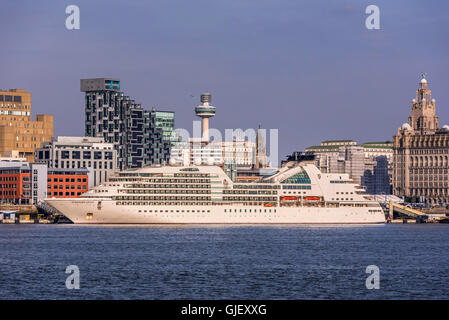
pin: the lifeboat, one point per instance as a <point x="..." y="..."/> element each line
<point x="267" y="205"/>
<point x="312" y="199"/>
<point x="289" y="198"/>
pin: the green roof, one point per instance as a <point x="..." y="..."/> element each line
<point x="323" y="147"/>
<point x="327" y="141"/>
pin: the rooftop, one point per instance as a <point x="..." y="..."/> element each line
<point x="324" y="147"/>
<point x="327" y="141"/>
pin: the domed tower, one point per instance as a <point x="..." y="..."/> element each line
<point x="205" y="111"/>
<point x="423" y="116"/>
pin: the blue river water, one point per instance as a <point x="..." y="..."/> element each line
<point x="224" y="262"/>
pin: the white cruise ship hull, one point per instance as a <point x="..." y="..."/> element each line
<point x="88" y="211"/>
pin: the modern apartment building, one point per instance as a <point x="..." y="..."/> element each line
<point x="421" y="151"/>
<point x="79" y="153"/>
<point x="17" y="131"/>
<point x="141" y="137"/>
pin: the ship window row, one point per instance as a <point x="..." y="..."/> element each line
<point x="165" y="191"/>
<point x="165" y="198"/>
<point x="119" y="179"/>
<point x="248" y="192"/>
<point x="161" y="180"/>
<point x="160" y="186"/>
<point x="339" y="181"/>
<point x="249" y="198"/>
<point x="188" y="175"/>
<point x="256" y="186"/>
<point x="249" y="210"/>
<point x="172" y="180"/>
<point x="297" y="187"/>
<point x="161" y="203"/>
<point x="174" y="211"/>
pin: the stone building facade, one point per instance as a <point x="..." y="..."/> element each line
<point x="421" y="150"/>
<point x="369" y="164"/>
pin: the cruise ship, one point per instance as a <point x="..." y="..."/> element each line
<point x="204" y="194"/>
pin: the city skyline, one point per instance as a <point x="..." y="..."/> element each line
<point x="273" y="63"/>
<point x="228" y="155"/>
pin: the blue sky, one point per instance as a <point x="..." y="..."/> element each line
<point x="309" y="68"/>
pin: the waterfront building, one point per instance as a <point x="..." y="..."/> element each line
<point x="141" y="137"/>
<point x="369" y="164"/>
<point x="17" y="131"/>
<point x="421" y="150"/>
<point x="68" y="183"/>
<point x="23" y="183"/>
<point x="78" y="153"/>
<point x="30" y="183"/>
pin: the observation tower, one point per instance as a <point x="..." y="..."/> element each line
<point x="205" y="111"/>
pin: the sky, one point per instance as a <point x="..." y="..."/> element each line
<point x="310" y="69"/>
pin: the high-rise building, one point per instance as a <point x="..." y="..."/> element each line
<point x="159" y="135"/>
<point x="78" y="153"/>
<point x="421" y="150"/>
<point x="17" y="131"/>
<point x="141" y="137"/>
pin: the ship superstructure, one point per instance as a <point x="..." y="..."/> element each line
<point x="205" y="194"/>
